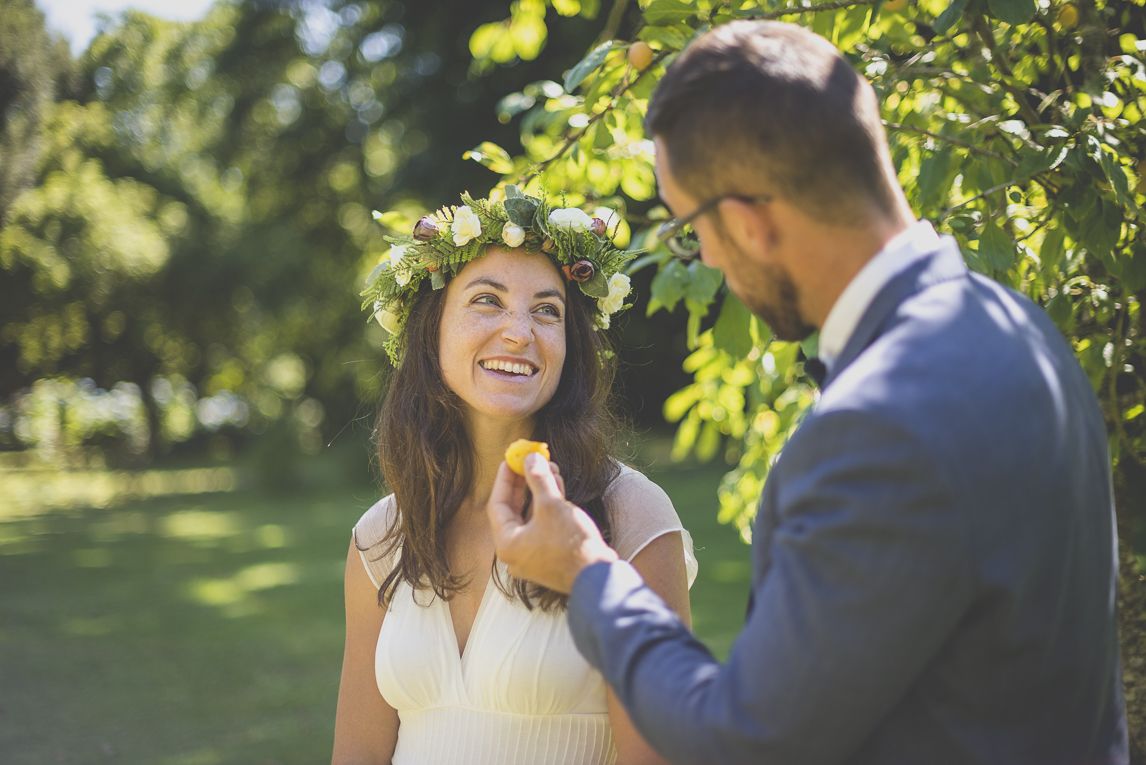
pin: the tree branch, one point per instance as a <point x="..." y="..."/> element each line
<point x="943" y="215"/>
<point x="613" y="23"/>
<point x="1000" y="60"/>
<point x="573" y="138"/>
<point x="798" y="9"/>
<point x="956" y="141"/>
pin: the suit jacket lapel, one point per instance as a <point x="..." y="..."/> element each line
<point x="941" y="265"/>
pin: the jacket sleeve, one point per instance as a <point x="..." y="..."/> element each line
<point x="865" y="578"/>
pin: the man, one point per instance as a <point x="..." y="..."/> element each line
<point x="934" y="567"/>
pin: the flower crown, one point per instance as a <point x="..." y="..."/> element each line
<point x="444" y="242"/>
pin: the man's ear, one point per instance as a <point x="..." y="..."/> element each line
<point x="749" y="226"/>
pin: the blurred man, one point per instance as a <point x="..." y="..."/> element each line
<point x="934" y="553"/>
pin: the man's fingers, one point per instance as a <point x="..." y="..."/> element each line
<point x="557" y="474"/>
<point x="542" y="482"/>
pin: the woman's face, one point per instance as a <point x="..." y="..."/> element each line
<point x="502" y="339"/>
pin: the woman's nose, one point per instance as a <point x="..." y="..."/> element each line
<point x="518" y="327"/>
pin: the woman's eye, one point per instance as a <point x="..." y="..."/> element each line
<point x="552" y="310"/>
<point x="487" y="300"/>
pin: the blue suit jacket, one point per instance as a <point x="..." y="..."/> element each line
<point x="934" y="561"/>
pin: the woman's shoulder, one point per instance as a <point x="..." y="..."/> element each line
<point x="369" y="535"/>
<point x="632" y="487"/>
<point x="639" y="512"/>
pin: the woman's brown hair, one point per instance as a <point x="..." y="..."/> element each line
<point x="426" y="457"/>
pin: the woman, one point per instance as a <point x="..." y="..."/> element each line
<point x="449" y="660"/>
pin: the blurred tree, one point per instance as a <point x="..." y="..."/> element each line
<point x="199" y="220"/>
<point x="33" y="65"/>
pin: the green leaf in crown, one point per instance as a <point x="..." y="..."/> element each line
<point x="442" y="243"/>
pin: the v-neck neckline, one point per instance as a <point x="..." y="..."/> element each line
<point x="462" y="652"/>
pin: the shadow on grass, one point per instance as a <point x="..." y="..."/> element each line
<point x="207" y="629"/>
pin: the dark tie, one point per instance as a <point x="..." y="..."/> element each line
<point x="816" y="369"/>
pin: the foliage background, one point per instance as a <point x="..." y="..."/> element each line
<point x="185" y="210"/>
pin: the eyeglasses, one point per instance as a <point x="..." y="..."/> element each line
<point x="680" y="238"/>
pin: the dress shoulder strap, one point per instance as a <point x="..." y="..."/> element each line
<point x="369" y="537"/>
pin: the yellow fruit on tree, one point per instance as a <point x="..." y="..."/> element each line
<point x="640" y="55"/>
<point x="895" y="6"/>
<point x="515" y="454"/>
<point x="1068" y="16"/>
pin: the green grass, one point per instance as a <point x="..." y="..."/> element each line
<point x="206" y="629"/>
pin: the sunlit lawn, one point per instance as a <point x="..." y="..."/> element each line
<point x="202" y="629"/>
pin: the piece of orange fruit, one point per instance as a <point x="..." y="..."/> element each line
<point x="515" y="454"/>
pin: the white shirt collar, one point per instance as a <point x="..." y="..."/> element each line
<point x="901" y="251"/>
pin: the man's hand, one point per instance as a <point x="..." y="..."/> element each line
<point x="557" y="541"/>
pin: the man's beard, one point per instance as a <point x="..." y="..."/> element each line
<point x="771" y="295"/>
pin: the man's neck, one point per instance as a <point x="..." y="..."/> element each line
<point x="830" y="258"/>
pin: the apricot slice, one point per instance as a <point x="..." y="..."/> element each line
<point x="515" y="454"/>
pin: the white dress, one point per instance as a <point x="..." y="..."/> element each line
<point x="520" y="692"/>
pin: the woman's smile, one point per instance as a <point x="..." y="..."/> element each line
<point x="510" y="367"/>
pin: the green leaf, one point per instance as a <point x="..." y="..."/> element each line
<point x="1134" y="270"/>
<point x="948" y="18"/>
<point x="602" y="137"/>
<point x="1040" y="162"/>
<point x="492" y="156"/>
<point x="520" y="210"/>
<point x="665" y="37"/>
<point x="996" y="248"/>
<point x="703" y="283"/>
<point x="696" y="312"/>
<point x="932" y="176"/>
<point x="679" y="403"/>
<point x="761" y="332"/>
<point x="811" y="345"/>
<point x="1052" y="249"/>
<point x="852" y="27"/>
<point x="708" y="443"/>
<point x="664" y="12"/>
<point x="597" y="286"/>
<point x="587" y="65"/>
<point x="733" y="330"/>
<point x="1059" y="309"/>
<point x="567" y="7"/>
<point x="1012" y="11"/>
<point x="669" y="283"/>
<point x="1117" y="177"/>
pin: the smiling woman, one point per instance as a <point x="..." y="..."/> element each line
<point x="502" y="342"/>
<point x="448" y="658"/>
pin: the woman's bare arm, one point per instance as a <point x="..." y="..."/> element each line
<point x="365" y="727"/>
<point x="661" y="565"/>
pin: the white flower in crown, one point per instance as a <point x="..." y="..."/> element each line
<point x="466" y="225"/>
<point x="619" y="288"/>
<point x="513" y="235"/>
<point x="603" y="320"/>
<point x="401" y="275"/>
<point x="570" y="218"/>
<point x="388" y="321"/>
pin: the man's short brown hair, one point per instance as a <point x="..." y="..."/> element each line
<point x="758" y="107"/>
